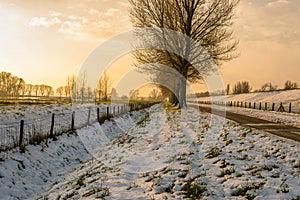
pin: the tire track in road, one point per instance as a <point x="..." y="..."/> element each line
<point x="281" y="130"/>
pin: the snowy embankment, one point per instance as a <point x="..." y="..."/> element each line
<point x="187" y="154"/>
<point x="285" y="97"/>
<point x="27" y="175"/>
<point x="291" y="119"/>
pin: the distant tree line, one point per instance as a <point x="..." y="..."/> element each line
<point x="244" y="87"/>
<point x="13" y="86"/>
<point x="80" y="92"/>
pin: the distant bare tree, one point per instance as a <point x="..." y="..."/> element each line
<point x="134" y="94"/>
<point x="29" y="89"/>
<point x="228" y="89"/>
<point x="103" y="87"/>
<point x="11" y="85"/>
<point x="288" y="85"/>
<point x="241" y="87"/>
<point x="42" y="89"/>
<point x="36" y="89"/>
<point x="268" y="87"/>
<point x="154" y="94"/>
<point x="71" y="86"/>
<point x="60" y="90"/>
<point x="114" y="93"/>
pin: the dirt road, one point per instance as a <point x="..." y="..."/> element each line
<point x="260" y="124"/>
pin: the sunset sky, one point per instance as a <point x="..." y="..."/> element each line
<point x="45" y="41"/>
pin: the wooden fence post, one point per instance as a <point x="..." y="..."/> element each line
<point x="249" y="105"/>
<point x="266" y="106"/>
<point x="260" y="106"/>
<point x="52" y="126"/>
<point x="107" y="111"/>
<point x="254" y="105"/>
<point x="21" y="133"/>
<point x="290" y="108"/>
<point x="73" y="121"/>
<point x="273" y="106"/>
<point x="98" y="114"/>
<point x="89" y="115"/>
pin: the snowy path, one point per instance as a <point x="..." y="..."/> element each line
<point x="175" y="155"/>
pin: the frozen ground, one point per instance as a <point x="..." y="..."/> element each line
<point x="167" y="155"/>
<point x="37" y="120"/>
<point x="27" y="175"/>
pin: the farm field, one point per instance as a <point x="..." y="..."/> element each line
<point x="160" y="153"/>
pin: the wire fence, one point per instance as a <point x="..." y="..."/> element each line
<point x="34" y="131"/>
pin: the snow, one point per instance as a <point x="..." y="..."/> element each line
<point x="157" y="158"/>
<point x="26" y="175"/>
<point x="37" y="119"/>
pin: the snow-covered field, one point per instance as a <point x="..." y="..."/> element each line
<point x="27" y="175"/>
<point x="167" y="155"/>
<point x="37" y="119"/>
<point x="277" y="97"/>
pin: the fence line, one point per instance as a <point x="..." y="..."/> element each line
<point x="278" y="107"/>
<point x="34" y="131"/>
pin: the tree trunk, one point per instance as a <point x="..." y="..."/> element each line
<point x="182" y="96"/>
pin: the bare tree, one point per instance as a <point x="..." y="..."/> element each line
<point x="228" y="89"/>
<point x="29" y="89"/>
<point x="43" y="89"/>
<point x="288" y="85"/>
<point x="36" y="89"/>
<point x="114" y="93"/>
<point x="241" y="87"/>
<point x="134" y="94"/>
<point x="11" y="85"/>
<point x="103" y="87"/>
<point x="268" y="87"/>
<point x="205" y="22"/>
<point x="60" y="90"/>
<point x="154" y="94"/>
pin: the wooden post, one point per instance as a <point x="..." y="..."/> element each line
<point x="52" y="126"/>
<point x="281" y="108"/>
<point x="98" y="114"/>
<point x="107" y="111"/>
<point x="21" y="133"/>
<point x="89" y="115"/>
<point x="73" y="121"/>
<point x="273" y="106"/>
<point x="290" y="108"/>
<point x="254" y="105"/>
<point x="260" y="106"/>
<point x="249" y="105"/>
<point x="266" y="106"/>
<point x="241" y="104"/>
